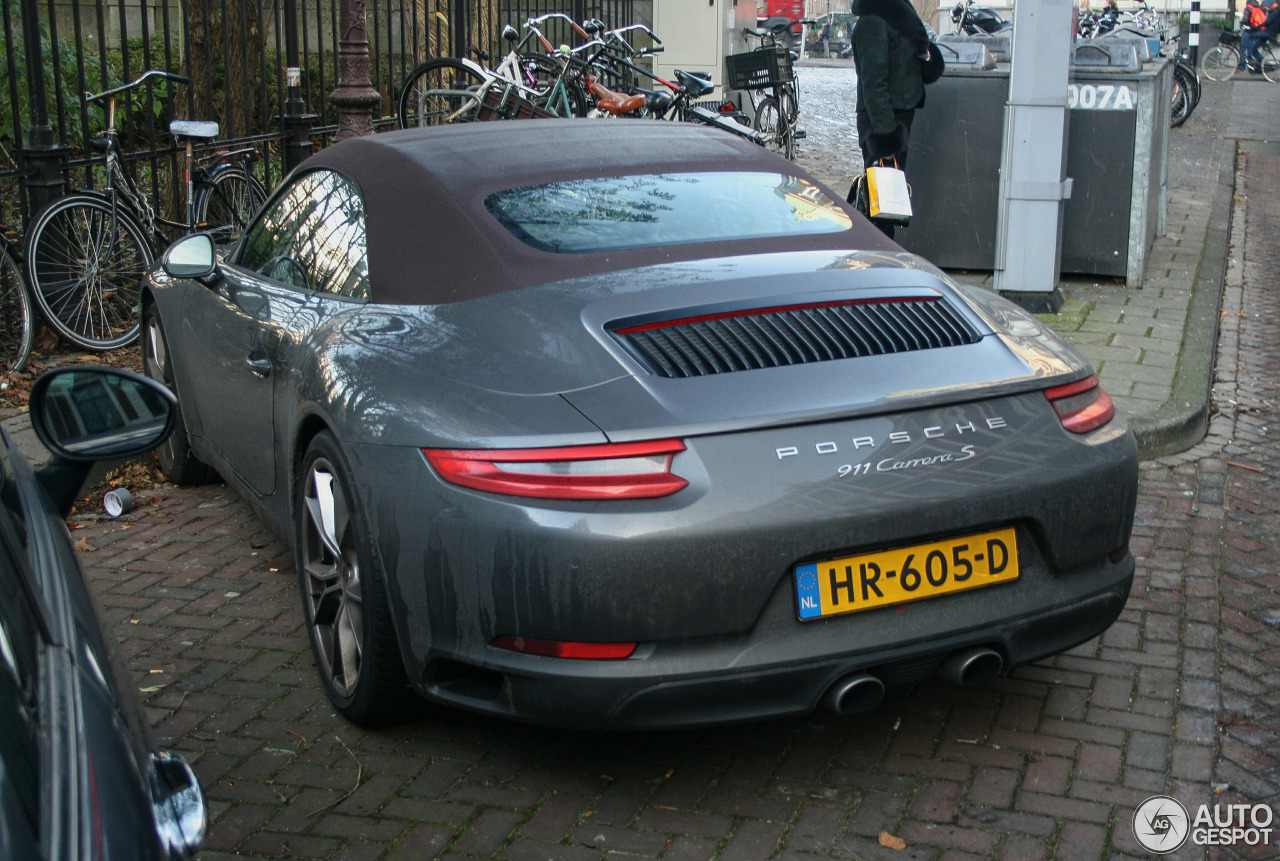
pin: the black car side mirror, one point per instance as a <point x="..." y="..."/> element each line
<point x="191" y="256"/>
<point x="90" y="413"/>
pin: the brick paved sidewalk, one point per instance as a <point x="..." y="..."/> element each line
<point x="1179" y="697"/>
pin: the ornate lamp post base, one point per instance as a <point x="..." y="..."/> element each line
<point x="355" y="96"/>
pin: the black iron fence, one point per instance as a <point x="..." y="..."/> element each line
<point x="235" y="53"/>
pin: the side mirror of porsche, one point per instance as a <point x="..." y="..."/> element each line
<point x="87" y="414"/>
<point x="178" y="805"/>
<point x="192" y="256"/>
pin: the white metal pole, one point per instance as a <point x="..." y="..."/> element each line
<point x="1033" y="184"/>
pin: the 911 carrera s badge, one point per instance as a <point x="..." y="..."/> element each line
<point x="880" y="445"/>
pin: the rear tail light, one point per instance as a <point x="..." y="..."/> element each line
<point x="557" y="649"/>
<point x="640" y="470"/>
<point x="1082" y="406"/>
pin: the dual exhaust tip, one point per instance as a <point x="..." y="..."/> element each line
<point x="859" y="693"/>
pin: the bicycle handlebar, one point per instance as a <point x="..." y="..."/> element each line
<point x="572" y="23"/>
<point x="594" y="43"/>
<point x="652" y="35"/>
<point x="151" y="73"/>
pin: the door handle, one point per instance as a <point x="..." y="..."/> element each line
<point x="258" y="363"/>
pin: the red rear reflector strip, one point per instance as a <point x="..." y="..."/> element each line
<point x="640" y="470"/>
<point x="1082" y="406"/>
<point x="557" y="649"/>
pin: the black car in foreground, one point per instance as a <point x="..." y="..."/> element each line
<point x="634" y="424"/>
<point x="78" y="779"/>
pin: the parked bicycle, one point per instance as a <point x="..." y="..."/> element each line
<point x="460" y="89"/>
<point x="767" y="76"/>
<point x="86" y="252"/>
<point x="679" y="101"/>
<point x="1224" y="61"/>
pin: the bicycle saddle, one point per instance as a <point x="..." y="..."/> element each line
<point x="616" y="103"/>
<point x="653" y="100"/>
<point x="203" y="129"/>
<point x="696" y="85"/>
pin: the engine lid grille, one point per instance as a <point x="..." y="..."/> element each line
<point x="794" y="335"/>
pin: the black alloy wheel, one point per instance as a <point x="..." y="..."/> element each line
<point x="343" y="595"/>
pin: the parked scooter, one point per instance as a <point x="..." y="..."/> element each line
<point x="978" y="20"/>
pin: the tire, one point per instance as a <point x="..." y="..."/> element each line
<point x="226" y="205"/>
<point x="17" y="326"/>
<point x="177" y="461"/>
<point x="769" y="122"/>
<point x="1219" y="64"/>
<point x="440" y="74"/>
<point x="1194" y="76"/>
<point x="1270" y="67"/>
<point x="789" y="104"/>
<point x="1181" y="108"/>
<point x="344" y="600"/>
<point x="1186" y="93"/>
<point x="84" y="273"/>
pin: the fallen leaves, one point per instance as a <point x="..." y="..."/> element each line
<point x="890" y="841"/>
<point x="48" y="353"/>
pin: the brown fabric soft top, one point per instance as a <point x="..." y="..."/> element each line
<point x="431" y="241"/>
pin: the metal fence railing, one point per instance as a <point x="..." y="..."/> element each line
<point x="234" y="51"/>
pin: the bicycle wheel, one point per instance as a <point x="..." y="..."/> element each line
<point x="428" y="86"/>
<point x="1181" y="108"/>
<point x="787" y="101"/>
<point x="1270" y="66"/>
<point x="769" y="122"/>
<point x="84" y="262"/>
<point x="227" y="201"/>
<point x="1193" y="75"/>
<point x="1186" y="92"/>
<point x="17" y="328"/>
<point x="1219" y="64"/>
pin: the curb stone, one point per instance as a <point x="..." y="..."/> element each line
<point x="1184" y="419"/>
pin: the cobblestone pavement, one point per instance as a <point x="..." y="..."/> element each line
<point x="1179" y="697"/>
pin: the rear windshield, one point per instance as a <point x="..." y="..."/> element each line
<point x="620" y="212"/>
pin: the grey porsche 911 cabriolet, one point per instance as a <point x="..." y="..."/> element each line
<point x="632" y="425"/>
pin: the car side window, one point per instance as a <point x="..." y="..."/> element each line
<point x="313" y="237"/>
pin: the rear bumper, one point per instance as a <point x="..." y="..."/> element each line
<point x="730" y="680"/>
<point x="705" y="580"/>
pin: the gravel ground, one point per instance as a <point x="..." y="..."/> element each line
<point x="830" y="148"/>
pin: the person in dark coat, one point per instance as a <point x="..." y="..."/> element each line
<point x="889" y="40"/>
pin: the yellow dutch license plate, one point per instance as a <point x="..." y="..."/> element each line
<point x="904" y="574"/>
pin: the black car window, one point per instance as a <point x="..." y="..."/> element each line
<point x="313" y="237"/>
<point x="612" y="213"/>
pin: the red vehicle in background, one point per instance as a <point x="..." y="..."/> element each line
<point x="773" y="15"/>
<point x="793" y="9"/>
